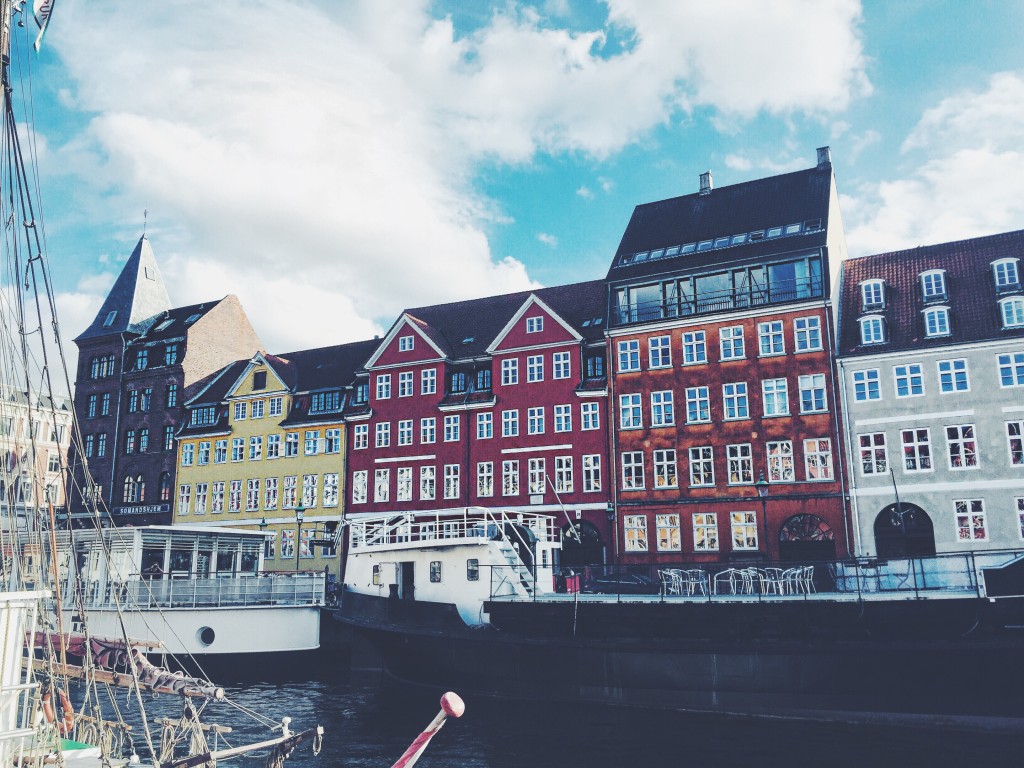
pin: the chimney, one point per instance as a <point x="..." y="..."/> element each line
<point x="706" y="183"/>
<point x="824" y="156"/>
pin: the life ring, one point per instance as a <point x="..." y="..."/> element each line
<point x="67" y="721"/>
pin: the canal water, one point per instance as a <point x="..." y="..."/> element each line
<point x="371" y="724"/>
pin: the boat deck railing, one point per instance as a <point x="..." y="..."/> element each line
<point x="447" y="527"/>
<point x="292" y="589"/>
<point x="949" y="575"/>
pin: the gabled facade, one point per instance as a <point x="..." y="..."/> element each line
<point x="139" y="361"/>
<point x="931" y="360"/>
<point x="264" y="438"/>
<point x="496" y="403"/>
<point x="721" y="344"/>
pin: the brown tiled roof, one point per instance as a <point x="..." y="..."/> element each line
<point x="973" y="301"/>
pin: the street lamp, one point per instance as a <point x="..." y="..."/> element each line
<point x="300" y="513"/>
<point x="263" y="529"/>
<point x="762" y="491"/>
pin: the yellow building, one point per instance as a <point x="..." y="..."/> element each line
<point x="263" y="446"/>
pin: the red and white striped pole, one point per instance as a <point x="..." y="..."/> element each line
<point x="451" y="705"/>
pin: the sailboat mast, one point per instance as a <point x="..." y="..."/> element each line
<point x="5" y="42"/>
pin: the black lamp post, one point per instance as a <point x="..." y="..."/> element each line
<point x="300" y="513"/>
<point x="762" y="491"/>
<point x="263" y="529"/>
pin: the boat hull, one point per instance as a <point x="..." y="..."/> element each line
<point x="940" y="663"/>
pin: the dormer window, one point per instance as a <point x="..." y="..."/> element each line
<point x="406" y="343"/>
<point x="872" y="295"/>
<point x="141" y="360"/>
<point x="872" y="330"/>
<point x="109" y="319"/>
<point x="457" y="383"/>
<point x="362" y="393"/>
<point x="936" y="321"/>
<point x="1012" y="312"/>
<point x="483" y="380"/>
<point x="933" y="285"/>
<point x="534" y="324"/>
<point x="1007" y="274"/>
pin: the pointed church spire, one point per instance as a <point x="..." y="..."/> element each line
<point x="138" y="297"/>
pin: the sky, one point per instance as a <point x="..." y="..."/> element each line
<point x="332" y="162"/>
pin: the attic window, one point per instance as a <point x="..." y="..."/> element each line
<point x="774" y="232"/>
<point x="739" y="239"/>
<point x="703" y="245"/>
<point x="758" y="235"/>
<point x="469" y="340"/>
<point x="792" y="229"/>
<point x="109" y="321"/>
<point x="812" y="225"/>
<point x="192" y="318"/>
<point x="721" y="242"/>
<point x="658" y="253"/>
<point x="598" y="320"/>
<point x="259" y="380"/>
<point x="406" y="343"/>
<point x="689" y="248"/>
<point x="150" y="275"/>
<point x="162" y="326"/>
<point x="586" y="323"/>
<point x="534" y="324"/>
<point x="642" y="256"/>
<point x="673" y="251"/>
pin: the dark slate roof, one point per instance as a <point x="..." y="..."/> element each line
<point x="973" y="301"/>
<point x="173" y="323"/>
<point x="464" y="329"/>
<point x="216" y="388"/>
<point x="138" y="296"/>
<point x="310" y="370"/>
<point x="736" y="209"/>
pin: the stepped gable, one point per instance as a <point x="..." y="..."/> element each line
<point x="136" y="299"/>
<point x="465" y="329"/>
<point x="736" y="209"/>
<point x="972" y="296"/>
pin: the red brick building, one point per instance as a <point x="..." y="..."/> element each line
<point x="498" y="402"/>
<point x="721" y="345"/>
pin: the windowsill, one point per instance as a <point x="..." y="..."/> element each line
<point x="735" y="418"/>
<point x="732" y="359"/>
<point x="630" y="429"/>
<point x="659" y="367"/>
<point x="772" y="354"/>
<point x="806" y="351"/>
<point x="693" y="364"/>
<point x="776" y="415"/>
<point x="939" y="335"/>
<point x="663" y="426"/>
<point x="698" y="421"/>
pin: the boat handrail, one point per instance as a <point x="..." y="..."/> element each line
<point x="447" y="526"/>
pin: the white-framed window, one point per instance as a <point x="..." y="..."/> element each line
<point x="818" y="459"/>
<point x="770" y="338"/>
<point x="451" y="481"/>
<point x="535" y="421"/>
<point x="202" y="497"/>
<point x="257" y="409"/>
<point x="695" y="348"/>
<point x="252" y="495"/>
<point x="406" y="343"/>
<point x="1007" y="274"/>
<point x="669" y="538"/>
<point x="629" y="355"/>
<point x="1019" y="501"/>
<point x="563" y="418"/>
<point x="484" y="426"/>
<point x="970" y="520"/>
<point x="917" y="450"/>
<point x="1011" y="369"/>
<point x="237" y="448"/>
<point x="591" y="472"/>
<point x="1012" y="312"/>
<point x="428" y="381"/>
<point x="807" y="334"/>
<point x="1015" y="442"/>
<point x="536" y="476"/>
<point x="963" y="446"/>
<point x="561" y="365"/>
<point x="665" y="473"/>
<point x="428" y="430"/>
<point x="184" y="499"/>
<point x="874" y="456"/>
<point x="383" y="386"/>
<point x="381" y="485"/>
<point x="662" y="409"/>
<point x="255" y="448"/>
<point x="485" y="478"/>
<point x="936" y="321"/>
<point x="235" y="496"/>
<point x="428" y="483"/>
<point x="309" y="494"/>
<point x="780" y="462"/>
<point x="203" y="457"/>
<point x="775" y="397"/>
<point x="403" y="484"/>
<point x="909" y="380"/>
<point x="953" y="376"/>
<point x="360" y="436"/>
<point x="535" y="368"/>
<point x="509" y="371"/>
<point x="702" y="466"/>
<point x="510" y="423"/>
<point x="872" y="329"/>
<point x="276" y="406"/>
<point x="405" y="432"/>
<point x="405" y="384"/>
<point x="270" y="493"/>
<point x="240" y="410"/>
<point x="734" y="401"/>
<point x="705" y="531"/>
<point x="452" y="427"/>
<point x="812" y="393"/>
<point x="217" y="497"/>
<point x="698" y="407"/>
<point x="659" y="350"/>
<point x="933" y="285"/>
<point x="590" y="416"/>
<point x="635" y="527"/>
<point x="630" y="411"/>
<point x="744" y="530"/>
<point x="872" y="294"/>
<point x="510" y="478"/>
<point x="866" y="385"/>
<point x="563" y="474"/>
<point x="535" y="324"/>
<point x="632" y="470"/>
<point x="382" y="434"/>
<point x="220" y="451"/>
<point x="731" y="342"/>
<point x="741" y="464"/>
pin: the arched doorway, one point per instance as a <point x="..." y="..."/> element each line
<point x="808" y="538"/>
<point x="586" y="549"/>
<point x="904" y="530"/>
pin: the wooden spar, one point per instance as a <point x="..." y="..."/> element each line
<point x="288" y="742"/>
<point x="91" y="719"/>
<point x="204" y="726"/>
<point x="120" y="679"/>
<point x="56" y="582"/>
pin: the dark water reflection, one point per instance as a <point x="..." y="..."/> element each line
<point x="371" y="725"/>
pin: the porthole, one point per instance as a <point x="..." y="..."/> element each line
<point x="205" y="636"/>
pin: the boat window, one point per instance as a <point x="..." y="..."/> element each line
<point x="435" y="571"/>
<point x="473" y="569"/>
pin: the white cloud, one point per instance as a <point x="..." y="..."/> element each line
<point x="738" y="163"/>
<point x="585" y="193"/>
<point x="546" y="239"/>
<point x="968" y="182"/>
